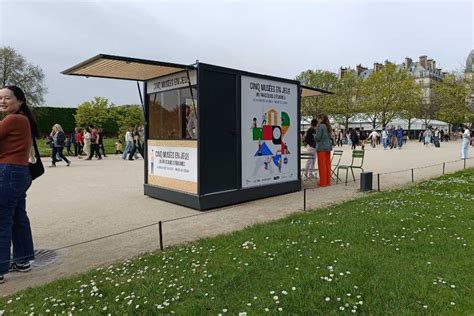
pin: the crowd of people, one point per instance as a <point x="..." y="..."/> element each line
<point x="88" y="143"/>
<point x="389" y="137"/>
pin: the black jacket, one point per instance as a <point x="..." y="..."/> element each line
<point x="309" y="137"/>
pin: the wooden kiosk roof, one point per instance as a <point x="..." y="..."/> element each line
<point x="126" y="68"/>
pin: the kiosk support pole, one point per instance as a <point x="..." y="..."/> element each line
<point x="191" y="91"/>
<point x="140" y="93"/>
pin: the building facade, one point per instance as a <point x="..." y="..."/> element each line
<point x="424" y="71"/>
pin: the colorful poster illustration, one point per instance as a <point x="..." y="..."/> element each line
<point x="269" y="132"/>
<point x="173" y="162"/>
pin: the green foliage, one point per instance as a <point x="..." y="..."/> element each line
<point x="348" y="98"/>
<point x="46" y="117"/>
<point x="127" y="116"/>
<point x="387" y="92"/>
<point x="16" y="70"/>
<point x="95" y="112"/>
<point x="451" y="97"/>
<point x="342" y="105"/>
<point x="113" y="119"/>
<point x="326" y="80"/>
<point x="414" y="104"/>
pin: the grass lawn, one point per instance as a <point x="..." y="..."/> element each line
<point x="403" y="252"/>
<point x="45" y="150"/>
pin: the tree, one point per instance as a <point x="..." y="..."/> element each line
<point x="93" y="112"/>
<point x="386" y="91"/>
<point x="451" y="96"/>
<point x="127" y="116"/>
<point x="326" y="80"/>
<point x="15" y="70"/>
<point x="347" y="98"/>
<point x="413" y="104"/>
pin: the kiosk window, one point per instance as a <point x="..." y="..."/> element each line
<point x="172" y="115"/>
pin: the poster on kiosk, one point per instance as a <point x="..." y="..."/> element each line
<point x="269" y="132"/>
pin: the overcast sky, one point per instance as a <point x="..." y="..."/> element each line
<point x="280" y="38"/>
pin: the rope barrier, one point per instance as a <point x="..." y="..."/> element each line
<point x="160" y="223"/>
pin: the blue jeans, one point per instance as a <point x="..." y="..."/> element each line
<point x="14" y="223"/>
<point x="400" y="142"/>
<point x="385" y="143"/>
<point x="128" y="149"/>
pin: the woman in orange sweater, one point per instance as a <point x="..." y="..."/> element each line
<point x="17" y="130"/>
<point x="323" y="149"/>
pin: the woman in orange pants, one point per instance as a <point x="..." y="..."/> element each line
<point x="323" y="149"/>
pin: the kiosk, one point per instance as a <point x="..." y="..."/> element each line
<point x="214" y="136"/>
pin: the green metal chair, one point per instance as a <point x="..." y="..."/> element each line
<point x="357" y="163"/>
<point x="335" y="161"/>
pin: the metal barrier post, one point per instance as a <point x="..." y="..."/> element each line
<point x="412" y="176"/>
<point x="160" y="227"/>
<point x="464" y="163"/>
<point x="378" y="182"/>
<point x="444" y="167"/>
<point x="304" y="199"/>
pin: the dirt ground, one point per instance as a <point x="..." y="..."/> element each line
<point x="91" y="199"/>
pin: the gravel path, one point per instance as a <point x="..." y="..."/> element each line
<point x="91" y="199"/>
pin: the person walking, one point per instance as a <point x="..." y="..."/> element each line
<point x="466" y="138"/>
<point x="323" y="149"/>
<point x="58" y="144"/>
<point x="94" y="144"/>
<point x="310" y="145"/>
<point x="354" y="139"/>
<point x="68" y="147"/>
<point x="87" y="141"/>
<point x="79" y="142"/>
<point x="136" y="146"/>
<point x="385" y="138"/>
<point x="17" y="131"/>
<point x="362" y="138"/>
<point x="128" y="143"/>
<point x="399" y="135"/>
<point x="436" y="137"/>
<point x="339" y="136"/>
<point x="73" y="141"/>
<point x="427" y="136"/>
<point x="373" y="138"/>
<point x="101" y="141"/>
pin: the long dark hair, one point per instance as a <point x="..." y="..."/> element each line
<point x="325" y="120"/>
<point x="20" y="95"/>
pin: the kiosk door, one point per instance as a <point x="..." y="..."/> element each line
<point x="218" y="145"/>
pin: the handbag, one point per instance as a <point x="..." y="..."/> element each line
<point x="36" y="167"/>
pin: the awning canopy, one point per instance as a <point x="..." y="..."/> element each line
<point x="126" y="68"/>
<point x="313" y="92"/>
<point x="118" y="67"/>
